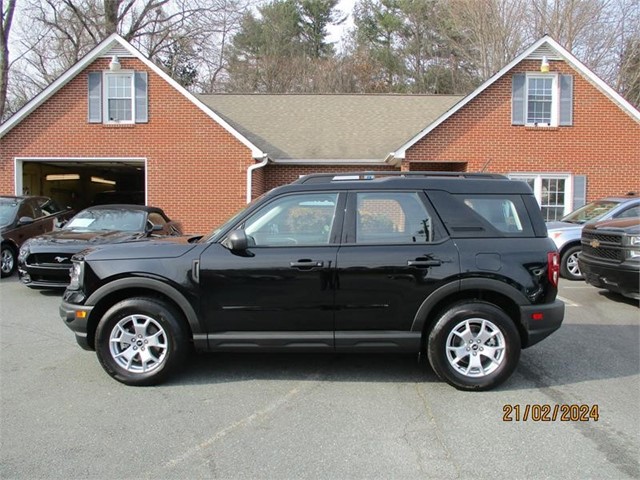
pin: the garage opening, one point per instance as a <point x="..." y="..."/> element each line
<point x="80" y="183"/>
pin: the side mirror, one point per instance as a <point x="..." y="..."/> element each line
<point x="25" y="220"/>
<point x="238" y="241"/>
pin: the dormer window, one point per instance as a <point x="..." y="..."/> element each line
<point x="118" y="97"/>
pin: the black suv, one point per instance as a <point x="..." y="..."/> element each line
<point x="610" y="257"/>
<point x="458" y="266"/>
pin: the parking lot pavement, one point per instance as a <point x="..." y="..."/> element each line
<point x="310" y="416"/>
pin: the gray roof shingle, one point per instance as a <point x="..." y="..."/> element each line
<point x="329" y="127"/>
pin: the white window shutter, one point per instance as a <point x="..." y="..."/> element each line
<point x="95" y="97"/>
<point x="142" y="102"/>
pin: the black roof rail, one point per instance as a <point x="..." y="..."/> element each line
<point x="373" y="175"/>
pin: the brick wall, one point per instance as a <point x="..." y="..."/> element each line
<point x="196" y="170"/>
<point x="276" y="175"/>
<point x="603" y="143"/>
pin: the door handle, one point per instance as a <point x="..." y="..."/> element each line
<point x="307" y="264"/>
<point x="424" y="263"/>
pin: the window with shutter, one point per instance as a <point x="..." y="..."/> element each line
<point x="542" y="99"/>
<point x="117" y="97"/>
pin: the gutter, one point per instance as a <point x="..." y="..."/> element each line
<point x="255" y="166"/>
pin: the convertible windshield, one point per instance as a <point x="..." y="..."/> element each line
<point x="7" y="212"/>
<point x="591" y="211"/>
<point x="107" y="219"/>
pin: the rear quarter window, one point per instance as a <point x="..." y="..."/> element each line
<point x="482" y="215"/>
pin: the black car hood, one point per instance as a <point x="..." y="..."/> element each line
<point x="630" y="226"/>
<point x="77" y="240"/>
<point x="165" y="247"/>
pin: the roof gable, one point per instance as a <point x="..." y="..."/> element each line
<point x="545" y="47"/>
<point x="116" y="45"/>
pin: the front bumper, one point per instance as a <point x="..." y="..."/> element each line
<point x="540" y="321"/>
<point x="44" y="276"/>
<point x="76" y="317"/>
<point x="620" y="278"/>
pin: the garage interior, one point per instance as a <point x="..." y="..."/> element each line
<point x="80" y="184"/>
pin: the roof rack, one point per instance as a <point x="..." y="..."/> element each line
<point x="373" y="175"/>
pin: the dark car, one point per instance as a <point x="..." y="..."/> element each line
<point x="566" y="232"/>
<point x="457" y="266"/>
<point x="610" y="257"/>
<point x="22" y="218"/>
<point x="44" y="261"/>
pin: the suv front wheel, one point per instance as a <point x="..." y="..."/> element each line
<point x="140" y="341"/>
<point x="474" y="346"/>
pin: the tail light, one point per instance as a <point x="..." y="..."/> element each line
<point x="553" y="267"/>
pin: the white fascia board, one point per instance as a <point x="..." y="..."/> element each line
<point x="98" y="51"/>
<point x="320" y="161"/>
<point x="567" y="56"/>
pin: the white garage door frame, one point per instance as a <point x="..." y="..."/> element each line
<point x="18" y="163"/>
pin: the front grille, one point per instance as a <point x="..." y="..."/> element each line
<point x="602" y="237"/>
<point x="606" y="246"/>
<point x="603" y="252"/>
<point x="49" y="260"/>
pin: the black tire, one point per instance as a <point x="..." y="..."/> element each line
<point x="466" y="364"/>
<point x="159" y="347"/>
<point x="569" y="268"/>
<point x="8" y="261"/>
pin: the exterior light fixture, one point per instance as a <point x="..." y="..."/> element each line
<point x="114" y="64"/>
<point x="544" y="66"/>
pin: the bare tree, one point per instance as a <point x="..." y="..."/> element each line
<point x="6" y="20"/>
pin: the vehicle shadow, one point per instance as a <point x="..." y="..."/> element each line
<point x="616" y="297"/>
<point x="558" y="361"/>
<point x="210" y="368"/>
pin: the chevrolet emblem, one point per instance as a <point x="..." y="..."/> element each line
<point x="595" y="243"/>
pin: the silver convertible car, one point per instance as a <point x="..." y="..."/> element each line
<point x="567" y="231"/>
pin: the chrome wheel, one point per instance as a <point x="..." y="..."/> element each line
<point x="572" y="265"/>
<point x="475" y="347"/>
<point x="138" y="344"/>
<point x="7" y="261"/>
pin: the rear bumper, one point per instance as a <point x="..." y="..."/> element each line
<point x="540" y="321"/>
<point x="620" y="278"/>
<point x="75" y="317"/>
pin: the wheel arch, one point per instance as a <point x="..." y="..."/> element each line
<point x="111" y="293"/>
<point x="485" y="290"/>
<point x="568" y="245"/>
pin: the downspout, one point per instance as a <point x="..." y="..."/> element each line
<point x="255" y="166"/>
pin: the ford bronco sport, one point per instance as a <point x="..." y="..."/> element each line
<point x="457" y="266"/>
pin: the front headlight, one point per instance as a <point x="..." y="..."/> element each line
<point x="24" y="252"/>
<point x="76" y="273"/>
<point x="634" y="241"/>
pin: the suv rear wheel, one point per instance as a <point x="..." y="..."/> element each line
<point x="140" y="341"/>
<point x="474" y="346"/>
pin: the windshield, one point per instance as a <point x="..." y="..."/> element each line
<point x="7" y="212"/>
<point x="107" y="219"/>
<point x="589" y="212"/>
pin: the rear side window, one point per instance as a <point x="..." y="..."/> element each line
<point x="478" y="215"/>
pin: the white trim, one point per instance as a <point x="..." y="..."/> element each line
<point x="555" y="98"/>
<point x="537" y="191"/>
<point x="105" y="96"/>
<point x="328" y="161"/>
<point x="19" y="161"/>
<point x="105" y="46"/>
<point x="566" y="56"/>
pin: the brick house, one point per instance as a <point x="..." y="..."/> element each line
<point x="116" y="121"/>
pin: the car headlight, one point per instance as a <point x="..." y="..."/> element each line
<point x="24" y="252"/>
<point x="634" y="241"/>
<point x="76" y="273"/>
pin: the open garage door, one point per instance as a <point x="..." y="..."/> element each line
<point x="80" y="183"/>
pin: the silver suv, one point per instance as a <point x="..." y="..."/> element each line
<point x="566" y="232"/>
